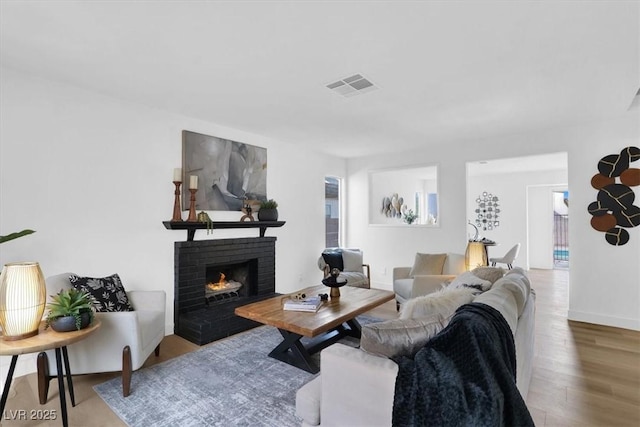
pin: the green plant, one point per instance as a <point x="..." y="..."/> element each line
<point x="15" y="235"/>
<point x="409" y="216"/>
<point x="70" y="302"/>
<point x="268" y="204"/>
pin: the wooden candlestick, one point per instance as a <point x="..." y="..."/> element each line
<point x="192" y="206"/>
<point x="177" y="211"/>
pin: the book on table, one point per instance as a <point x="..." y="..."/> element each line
<point x="311" y="304"/>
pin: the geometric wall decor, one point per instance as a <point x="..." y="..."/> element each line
<point x="613" y="210"/>
<point x="488" y="211"/>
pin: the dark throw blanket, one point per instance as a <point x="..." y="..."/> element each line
<point x="464" y="376"/>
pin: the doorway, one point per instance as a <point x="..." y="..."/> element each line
<point x="561" y="229"/>
<point x="332" y="189"/>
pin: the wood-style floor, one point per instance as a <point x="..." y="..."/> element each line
<point x="584" y="375"/>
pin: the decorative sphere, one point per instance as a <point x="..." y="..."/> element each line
<point x="335" y="273"/>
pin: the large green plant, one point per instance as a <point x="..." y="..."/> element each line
<point x="15" y="235"/>
<point x="70" y="302"/>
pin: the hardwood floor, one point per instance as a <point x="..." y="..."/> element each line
<point x="584" y="374"/>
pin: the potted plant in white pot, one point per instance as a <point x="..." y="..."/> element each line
<point x="70" y="310"/>
<point x="268" y="210"/>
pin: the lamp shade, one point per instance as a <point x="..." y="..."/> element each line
<point x="23" y="295"/>
<point x="475" y="256"/>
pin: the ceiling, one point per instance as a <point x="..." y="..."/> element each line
<point x="444" y="71"/>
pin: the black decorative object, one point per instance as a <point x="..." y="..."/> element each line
<point x="333" y="282"/>
<point x="614" y="206"/>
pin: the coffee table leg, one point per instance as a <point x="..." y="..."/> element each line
<point x="299" y="356"/>
<point x="356" y="329"/>
<point x="63" y="397"/>
<point x="7" y="384"/>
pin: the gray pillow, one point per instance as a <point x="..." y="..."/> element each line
<point x="399" y="337"/>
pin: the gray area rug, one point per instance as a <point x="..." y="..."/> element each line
<point x="231" y="382"/>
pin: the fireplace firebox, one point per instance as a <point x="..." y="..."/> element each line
<point x="213" y="277"/>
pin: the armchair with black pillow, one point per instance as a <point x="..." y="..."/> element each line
<point x="349" y="262"/>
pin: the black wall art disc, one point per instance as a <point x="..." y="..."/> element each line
<point x="615" y="199"/>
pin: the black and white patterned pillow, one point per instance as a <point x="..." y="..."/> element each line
<point x="108" y="292"/>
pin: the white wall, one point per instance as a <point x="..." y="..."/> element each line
<point x="605" y="280"/>
<point x="92" y="175"/>
<point x="511" y="191"/>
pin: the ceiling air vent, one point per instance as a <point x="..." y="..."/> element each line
<point x="351" y="86"/>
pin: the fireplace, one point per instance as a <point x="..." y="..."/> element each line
<point x="229" y="281"/>
<point x="213" y="277"/>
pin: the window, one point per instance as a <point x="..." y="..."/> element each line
<point x="332" y="211"/>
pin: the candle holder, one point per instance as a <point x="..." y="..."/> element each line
<point x="177" y="211"/>
<point x="192" y="206"/>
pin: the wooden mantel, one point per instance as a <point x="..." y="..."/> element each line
<point x="191" y="227"/>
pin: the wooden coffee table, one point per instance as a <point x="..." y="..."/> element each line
<point x="335" y="319"/>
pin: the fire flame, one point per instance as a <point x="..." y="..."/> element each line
<point x="219" y="285"/>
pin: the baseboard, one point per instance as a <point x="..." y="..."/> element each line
<point x="599" y="319"/>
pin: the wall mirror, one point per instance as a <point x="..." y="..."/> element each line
<point x="406" y="196"/>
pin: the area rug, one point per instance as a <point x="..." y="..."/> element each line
<point x="231" y="382"/>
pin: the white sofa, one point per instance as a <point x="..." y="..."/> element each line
<point x="407" y="287"/>
<point x="356" y="388"/>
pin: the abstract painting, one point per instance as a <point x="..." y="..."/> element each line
<point x="229" y="172"/>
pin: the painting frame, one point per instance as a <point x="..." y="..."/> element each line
<point x="230" y="173"/>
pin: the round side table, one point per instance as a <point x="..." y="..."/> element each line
<point x="46" y="339"/>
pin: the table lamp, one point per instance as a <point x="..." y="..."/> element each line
<point x="475" y="256"/>
<point x="23" y="295"/>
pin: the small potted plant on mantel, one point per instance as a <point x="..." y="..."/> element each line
<point x="70" y="310"/>
<point x="268" y="210"/>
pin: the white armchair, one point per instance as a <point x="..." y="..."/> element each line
<point x="349" y="262"/>
<point x="123" y="343"/>
<point x="406" y="286"/>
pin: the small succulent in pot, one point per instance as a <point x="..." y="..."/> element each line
<point x="268" y="204"/>
<point x="70" y="309"/>
<point x="268" y="210"/>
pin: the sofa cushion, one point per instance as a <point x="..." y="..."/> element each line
<point x="428" y="264"/>
<point x="492" y="274"/>
<point x="358" y="280"/>
<point x="443" y="303"/>
<point x="308" y="401"/>
<point x="399" y="337"/>
<point x="352" y="260"/>
<point x="469" y="280"/>
<point x="502" y="299"/>
<point x="108" y="292"/>
<point x="518" y="283"/>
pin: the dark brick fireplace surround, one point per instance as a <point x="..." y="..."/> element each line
<point x="201" y="321"/>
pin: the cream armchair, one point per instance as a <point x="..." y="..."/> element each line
<point x="123" y="343"/>
<point x="349" y="262"/>
<point x="406" y="286"/>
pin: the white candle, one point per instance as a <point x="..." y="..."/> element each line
<point x="177" y="174"/>
<point x="193" y="182"/>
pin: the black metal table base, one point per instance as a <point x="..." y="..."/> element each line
<point x="292" y="351"/>
<point x="63" y="399"/>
